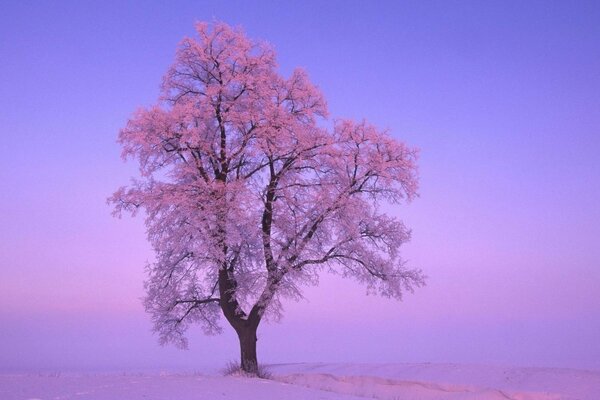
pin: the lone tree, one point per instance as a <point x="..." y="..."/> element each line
<point x="248" y="197"/>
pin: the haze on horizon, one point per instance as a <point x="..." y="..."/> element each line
<point x="502" y="99"/>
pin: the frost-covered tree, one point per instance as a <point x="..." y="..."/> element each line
<point x="248" y="197"/>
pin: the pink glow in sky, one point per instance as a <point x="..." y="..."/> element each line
<point x="501" y="99"/>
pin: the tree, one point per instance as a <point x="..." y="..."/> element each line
<point x="248" y="196"/>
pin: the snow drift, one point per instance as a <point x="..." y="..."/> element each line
<point x="318" y="381"/>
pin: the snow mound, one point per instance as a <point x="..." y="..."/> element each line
<point x="317" y="381"/>
<point x="428" y="381"/>
<point x="389" y="389"/>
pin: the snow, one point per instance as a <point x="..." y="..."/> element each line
<point x="318" y="381"/>
<point x="153" y="387"/>
<point x="443" y="381"/>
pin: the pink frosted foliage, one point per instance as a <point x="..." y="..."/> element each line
<point x="237" y="174"/>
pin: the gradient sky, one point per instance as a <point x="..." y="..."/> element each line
<point x="502" y="98"/>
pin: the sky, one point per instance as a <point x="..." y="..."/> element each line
<point x="502" y="99"/>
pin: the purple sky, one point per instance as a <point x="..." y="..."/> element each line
<point x="502" y="99"/>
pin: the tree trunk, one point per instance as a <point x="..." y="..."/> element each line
<point x="247" y="336"/>
<point x="245" y="325"/>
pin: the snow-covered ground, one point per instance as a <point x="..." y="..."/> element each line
<point x="318" y="381"/>
<point x="444" y="381"/>
<point x="157" y="387"/>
